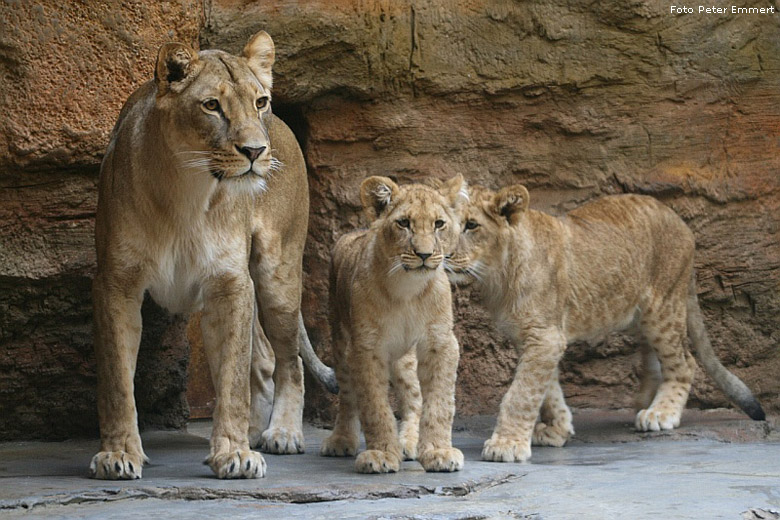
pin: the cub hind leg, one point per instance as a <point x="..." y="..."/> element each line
<point x="650" y="376"/>
<point x="555" y="425"/>
<point x="407" y="390"/>
<point x="664" y="328"/>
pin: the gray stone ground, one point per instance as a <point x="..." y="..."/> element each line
<point x="717" y="465"/>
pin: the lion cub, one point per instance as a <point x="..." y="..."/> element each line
<point x="390" y="297"/>
<point x="619" y="261"/>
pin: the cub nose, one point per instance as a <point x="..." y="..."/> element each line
<point x="424" y="256"/>
<point x="251" y="153"/>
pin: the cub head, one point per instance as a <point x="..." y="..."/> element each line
<point x="487" y="222"/>
<point x="215" y="108"/>
<point x="417" y="225"/>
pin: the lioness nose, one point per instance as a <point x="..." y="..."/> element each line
<point x="424" y="256"/>
<point x="251" y="153"/>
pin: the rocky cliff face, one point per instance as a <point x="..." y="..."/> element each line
<point x="574" y="101"/>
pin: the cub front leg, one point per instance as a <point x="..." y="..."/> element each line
<point x="437" y="370"/>
<point x="226" y="327"/>
<point x="369" y="374"/>
<point x="117" y="305"/>
<point x="511" y="439"/>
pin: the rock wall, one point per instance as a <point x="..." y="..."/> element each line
<point x="573" y="100"/>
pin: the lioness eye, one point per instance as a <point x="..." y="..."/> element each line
<point x="471" y="224"/>
<point x="211" y="104"/>
<point x="261" y="103"/>
<point x="439" y="224"/>
<point x="403" y="222"/>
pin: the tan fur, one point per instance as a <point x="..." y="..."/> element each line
<point x="186" y="214"/>
<point x="619" y="261"/>
<point x="391" y="309"/>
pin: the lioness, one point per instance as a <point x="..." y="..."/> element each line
<point x="619" y="261"/>
<point x="389" y="295"/>
<point x="203" y="201"/>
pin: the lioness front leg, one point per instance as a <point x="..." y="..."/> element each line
<point x="117" y="337"/>
<point x="369" y="373"/>
<point x="437" y="369"/>
<point x="511" y="439"/>
<point x="226" y="327"/>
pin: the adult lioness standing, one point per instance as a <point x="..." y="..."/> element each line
<point x="616" y="262"/>
<point x="204" y="203"/>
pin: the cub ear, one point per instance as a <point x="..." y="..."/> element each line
<point x="455" y="190"/>
<point x="376" y="194"/>
<point x="259" y="53"/>
<point x="510" y="203"/>
<point x="177" y="64"/>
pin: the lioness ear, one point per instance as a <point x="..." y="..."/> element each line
<point x="259" y="53"/>
<point x="510" y="203"/>
<point x="376" y="194"/>
<point x="455" y="190"/>
<point x="176" y="65"/>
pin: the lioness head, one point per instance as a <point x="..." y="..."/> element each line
<point x="214" y="109"/>
<point x="487" y="220"/>
<point x="418" y="225"/>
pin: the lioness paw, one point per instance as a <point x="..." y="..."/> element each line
<point x="556" y="435"/>
<point x="282" y="441"/>
<point x="339" y="446"/>
<point x="237" y="464"/>
<point x="116" y="465"/>
<point x="498" y="449"/>
<point x="656" y="420"/>
<point x="442" y="459"/>
<point x="376" y="461"/>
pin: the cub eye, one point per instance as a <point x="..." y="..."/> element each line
<point x="439" y="224"/>
<point x="211" y="104"/>
<point x="262" y="102"/>
<point x="471" y="224"/>
<point x="403" y="222"/>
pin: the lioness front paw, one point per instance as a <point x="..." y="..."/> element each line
<point x="656" y="420"/>
<point x="376" y="461"/>
<point x="237" y="464"/>
<point x="116" y="465"/>
<point x="339" y="446"/>
<point x="498" y="449"/>
<point x="282" y="441"/>
<point x="556" y="435"/>
<point x="442" y="459"/>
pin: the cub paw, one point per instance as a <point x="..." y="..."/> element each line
<point x="656" y="420"/>
<point x="237" y="464"/>
<point x="116" y="465"/>
<point x="339" y="446"/>
<point x="442" y="459"/>
<point x="555" y="435"/>
<point x="376" y="461"/>
<point x="497" y="449"/>
<point x="408" y="441"/>
<point x="282" y="441"/>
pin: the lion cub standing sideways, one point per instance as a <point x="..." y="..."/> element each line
<point x="390" y="299"/>
<point x="619" y="261"/>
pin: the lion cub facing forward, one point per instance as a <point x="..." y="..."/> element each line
<point x="619" y="261"/>
<point x="389" y="296"/>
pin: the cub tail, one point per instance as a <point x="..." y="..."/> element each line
<point x="323" y="373"/>
<point x="730" y="384"/>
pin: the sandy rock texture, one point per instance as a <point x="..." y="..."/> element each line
<point x="66" y="68"/>
<point x="575" y="101"/>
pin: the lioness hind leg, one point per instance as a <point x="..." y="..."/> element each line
<point x="407" y="390"/>
<point x="437" y="371"/>
<point x="261" y="383"/>
<point x="226" y="328"/>
<point x="664" y="328"/>
<point x="555" y="427"/>
<point x="117" y="338"/>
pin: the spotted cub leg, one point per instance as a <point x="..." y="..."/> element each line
<point x="650" y="377"/>
<point x="664" y="328"/>
<point x="407" y="390"/>
<point x="344" y="440"/>
<point x="555" y="427"/>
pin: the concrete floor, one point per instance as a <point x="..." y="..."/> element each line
<point x="717" y="465"/>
